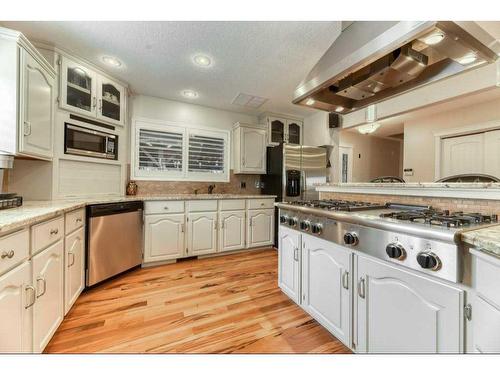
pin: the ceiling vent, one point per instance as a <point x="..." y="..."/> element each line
<point x="250" y="101"/>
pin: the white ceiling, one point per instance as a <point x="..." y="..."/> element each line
<point x="266" y="59"/>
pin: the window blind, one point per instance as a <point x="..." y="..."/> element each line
<point x="206" y="154"/>
<point x="160" y="150"/>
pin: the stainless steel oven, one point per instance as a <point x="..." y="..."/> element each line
<point x="79" y="140"/>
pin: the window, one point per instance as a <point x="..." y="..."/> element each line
<point x="165" y="152"/>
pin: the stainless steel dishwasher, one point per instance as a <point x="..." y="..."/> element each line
<point x="114" y="239"/>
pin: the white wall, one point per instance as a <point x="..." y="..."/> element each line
<point x="186" y="113"/>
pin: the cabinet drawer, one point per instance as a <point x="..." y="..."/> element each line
<point x="254" y="204"/>
<point x="74" y="220"/>
<point x="164" y="207"/>
<point x="14" y="248"/>
<point x="487" y="276"/>
<point x="202" y="206"/>
<point x="46" y="233"/>
<point x="232" y="204"/>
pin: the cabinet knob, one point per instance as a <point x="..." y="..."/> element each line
<point x="54" y="231"/>
<point x="7" y="254"/>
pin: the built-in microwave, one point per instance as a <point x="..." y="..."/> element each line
<point x="79" y="140"/>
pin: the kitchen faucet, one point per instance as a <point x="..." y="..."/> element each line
<point x="211" y="189"/>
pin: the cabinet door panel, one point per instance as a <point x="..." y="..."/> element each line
<point x="16" y="318"/>
<point x="48" y="312"/>
<point x="38" y="112"/>
<point x="78" y="88"/>
<point x="164" y="237"/>
<point x="202" y="238"/>
<point x="74" y="273"/>
<point x="253" y="150"/>
<point x="486" y="323"/>
<point x="492" y="153"/>
<point x="110" y="101"/>
<point x="232" y="230"/>
<point x="294" y="132"/>
<point x="276" y="130"/>
<point x="402" y="312"/>
<point x="260" y="228"/>
<point x="289" y="263"/>
<point x="326" y="288"/>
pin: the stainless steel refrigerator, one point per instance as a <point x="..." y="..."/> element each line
<point x="292" y="173"/>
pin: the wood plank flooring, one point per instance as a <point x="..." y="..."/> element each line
<point x="228" y="304"/>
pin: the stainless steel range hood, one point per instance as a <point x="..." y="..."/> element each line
<point x="373" y="60"/>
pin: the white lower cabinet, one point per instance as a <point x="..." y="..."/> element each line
<point x="202" y="233"/>
<point x="16" y="304"/>
<point x="74" y="272"/>
<point x="232" y="230"/>
<point x="164" y="237"/>
<point x="289" y="243"/>
<point x="260" y="228"/>
<point x="486" y="323"/>
<point x="326" y="286"/>
<point x="48" y="278"/>
<point x="400" y="312"/>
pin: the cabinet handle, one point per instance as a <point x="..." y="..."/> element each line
<point x="361" y="288"/>
<point x="251" y="221"/>
<point x="54" y="231"/>
<point x="182" y="228"/>
<point x="40" y="278"/>
<point x="72" y="259"/>
<point x="243" y="161"/>
<point x="345" y="280"/>
<point x="216" y="225"/>
<point x="296" y="254"/>
<point x="468" y="312"/>
<point x="100" y="105"/>
<point x="7" y="254"/>
<point x="33" y="292"/>
<point x="79" y="220"/>
<point x="27" y="128"/>
<point x="165" y="208"/>
<point x="94" y="102"/>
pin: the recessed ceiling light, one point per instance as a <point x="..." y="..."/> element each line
<point x="190" y="94"/>
<point x="368" y="128"/>
<point x="467" y="59"/>
<point x="112" y="61"/>
<point x="339" y="109"/>
<point x="310" y="101"/>
<point x="434" y="38"/>
<point x="202" y="60"/>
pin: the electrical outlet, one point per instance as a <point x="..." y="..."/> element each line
<point x="243" y="185"/>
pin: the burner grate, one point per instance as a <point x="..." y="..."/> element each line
<point x="442" y="218"/>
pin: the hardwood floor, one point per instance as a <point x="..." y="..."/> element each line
<point x="228" y="304"/>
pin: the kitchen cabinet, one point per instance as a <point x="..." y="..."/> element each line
<point x="250" y="148"/>
<point x="17" y="296"/>
<point x="283" y="130"/>
<point x="74" y="272"/>
<point x="232" y="230"/>
<point x="88" y="92"/>
<point x="202" y="233"/>
<point x="326" y="285"/>
<point x="401" y="312"/>
<point x="260" y="228"/>
<point x="289" y="263"/>
<point x="28" y="98"/>
<point x="48" y="310"/>
<point x="164" y="237"/>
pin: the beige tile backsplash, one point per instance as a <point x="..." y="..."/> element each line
<point x="483" y="206"/>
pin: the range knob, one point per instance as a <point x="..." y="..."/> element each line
<point x="305" y="225"/>
<point x="429" y="261"/>
<point x="292" y="221"/>
<point x="395" y="251"/>
<point x="317" y="228"/>
<point x="351" y="238"/>
<point x="283" y="219"/>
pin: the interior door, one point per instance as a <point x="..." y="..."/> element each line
<point x="345" y="161"/>
<point x="16" y="300"/>
<point x="48" y="277"/>
<point x="401" y="312"/>
<point x="78" y="88"/>
<point x="38" y="109"/>
<point x="492" y="153"/>
<point x="74" y="275"/>
<point x="464" y="154"/>
<point x="111" y="99"/>
<point x="326" y="287"/>
<point x="289" y="246"/>
<point x="253" y="150"/>
<point x="232" y="230"/>
<point x="164" y="237"/>
<point x="202" y="230"/>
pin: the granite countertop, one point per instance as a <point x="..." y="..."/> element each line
<point x="486" y="239"/>
<point x="413" y="185"/>
<point x="32" y="212"/>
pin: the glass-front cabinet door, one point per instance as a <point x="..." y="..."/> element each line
<point x="78" y="88"/>
<point x="276" y="130"/>
<point x="294" y="132"/>
<point x="111" y="99"/>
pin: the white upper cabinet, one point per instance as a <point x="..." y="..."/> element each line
<point x="250" y="148"/>
<point x="283" y="130"/>
<point x="87" y="92"/>
<point x="400" y="312"/>
<point x="289" y="262"/>
<point x="27" y="93"/>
